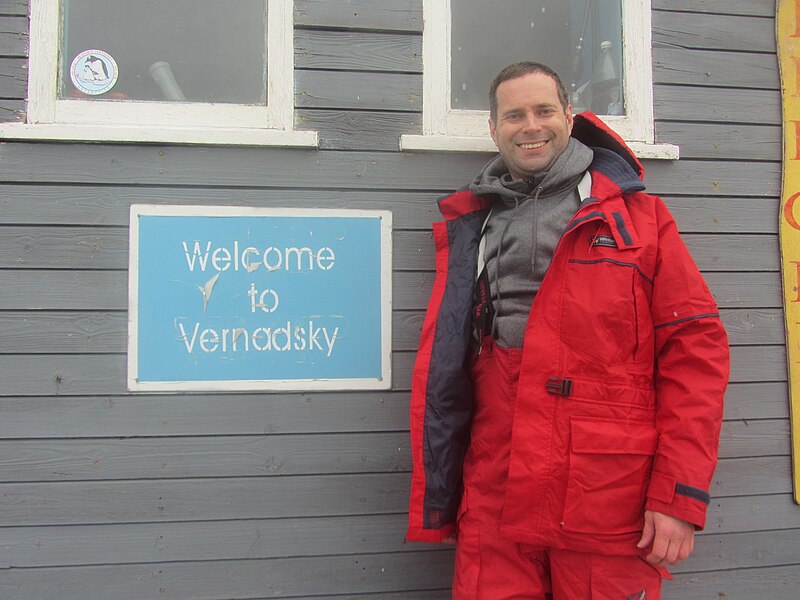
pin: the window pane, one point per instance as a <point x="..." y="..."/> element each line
<point x="162" y="50"/>
<point x="580" y="39"/>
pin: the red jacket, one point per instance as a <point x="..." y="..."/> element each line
<point x="625" y="363"/>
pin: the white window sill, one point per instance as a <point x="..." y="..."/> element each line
<point x="168" y="135"/>
<point x="446" y="143"/>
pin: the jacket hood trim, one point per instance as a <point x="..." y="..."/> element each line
<point x="461" y="203"/>
<point x="590" y="130"/>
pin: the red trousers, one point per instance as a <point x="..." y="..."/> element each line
<point x="491" y="568"/>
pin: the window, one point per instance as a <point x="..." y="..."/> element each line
<point x="185" y="71"/>
<point x="600" y="48"/>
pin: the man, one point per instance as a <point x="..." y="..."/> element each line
<point x="567" y="395"/>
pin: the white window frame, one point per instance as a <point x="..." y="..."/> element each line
<point x="53" y="118"/>
<point x="445" y="128"/>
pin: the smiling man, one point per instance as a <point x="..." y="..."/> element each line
<point x="567" y="395"/>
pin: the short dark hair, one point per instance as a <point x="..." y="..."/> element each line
<point x="518" y="70"/>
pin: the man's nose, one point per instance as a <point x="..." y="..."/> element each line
<point x="532" y="123"/>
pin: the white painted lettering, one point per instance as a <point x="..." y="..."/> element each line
<point x="189" y="345"/>
<point x="209" y="340"/>
<point x="325" y="258"/>
<point x="196" y="254"/>
<point x="267" y="264"/>
<point x="299" y="253"/>
<point x="330" y="340"/>
<point x="221" y="255"/>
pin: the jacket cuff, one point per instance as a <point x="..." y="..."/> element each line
<point x="430" y="535"/>
<point x="671" y="497"/>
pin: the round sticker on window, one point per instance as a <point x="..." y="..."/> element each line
<point x="93" y="72"/>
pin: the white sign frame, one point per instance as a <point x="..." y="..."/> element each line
<point x="383" y="382"/>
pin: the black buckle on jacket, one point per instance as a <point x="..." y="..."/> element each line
<point x="560" y="386"/>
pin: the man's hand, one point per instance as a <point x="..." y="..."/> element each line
<point x="671" y="539"/>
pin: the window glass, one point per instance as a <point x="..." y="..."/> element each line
<point x="164" y="50"/>
<point x="580" y="39"/>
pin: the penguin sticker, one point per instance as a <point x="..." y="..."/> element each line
<point x="93" y="72"/>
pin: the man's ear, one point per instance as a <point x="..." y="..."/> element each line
<point x="493" y="133"/>
<point x="570" y="117"/>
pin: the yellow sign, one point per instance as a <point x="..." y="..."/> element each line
<point x="788" y="22"/>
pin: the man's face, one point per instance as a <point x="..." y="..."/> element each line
<point x="532" y="128"/>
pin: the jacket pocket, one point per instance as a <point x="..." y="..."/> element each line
<point x="603" y="307"/>
<point x="609" y="470"/>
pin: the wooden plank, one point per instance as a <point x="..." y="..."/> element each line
<point x="243" y="414"/>
<point x="236" y="167"/>
<point x="754" y="8"/>
<point x="13" y="36"/>
<point x="742" y="551"/>
<point x="714" y="69"/>
<point x="202" y="415"/>
<point x="64" y="247"/>
<point x="715" y="252"/>
<point x="104" y="374"/>
<point x="63" y="332"/>
<point x="745" y="438"/>
<point x="54" y="374"/>
<point x="735" y="290"/>
<point x="103" y="332"/>
<point x="360" y="91"/>
<point x="724" y="215"/>
<point x="107" y="290"/>
<point x="758" y="363"/>
<point x="442" y="594"/>
<point x="389" y="15"/>
<point x="715" y="141"/>
<point x="109" y="205"/>
<point x="14" y="7"/>
<point x="107" y="248"/>
<point x="753" y="326"/>
<point x="757" y="401"/>
<point x="714" y="31"/>
<point x="359" y="130"/>
<point x="13" y="78"/>
<point x="26" y="547"/>
<point x="694" y="104"/>
<point x="736" y="477"/>
<point x="369" y="574"/>
<point x="752" y="513"/>
<point x="357" y="51"/>
<point x="713" y="178"/>
<point x="211" y="456"/>
<point x="211" y="499"/>
<point x="276" y="538"/>
<point x="781" y="582"/>
<point x="278" y="167"/>
<point x="12" y="111"/>
<point x="63" y="290"/>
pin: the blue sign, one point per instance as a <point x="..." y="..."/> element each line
<point x="259" y="299"/>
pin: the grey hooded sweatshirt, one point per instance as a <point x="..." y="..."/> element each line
<point x="527" y="219"/>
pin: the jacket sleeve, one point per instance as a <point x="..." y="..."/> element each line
<point x="691" y="373"/>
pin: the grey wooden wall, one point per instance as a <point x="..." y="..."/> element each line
<point x="106" y="495"/>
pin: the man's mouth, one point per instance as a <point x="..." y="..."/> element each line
<point x="532" y="145"/>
